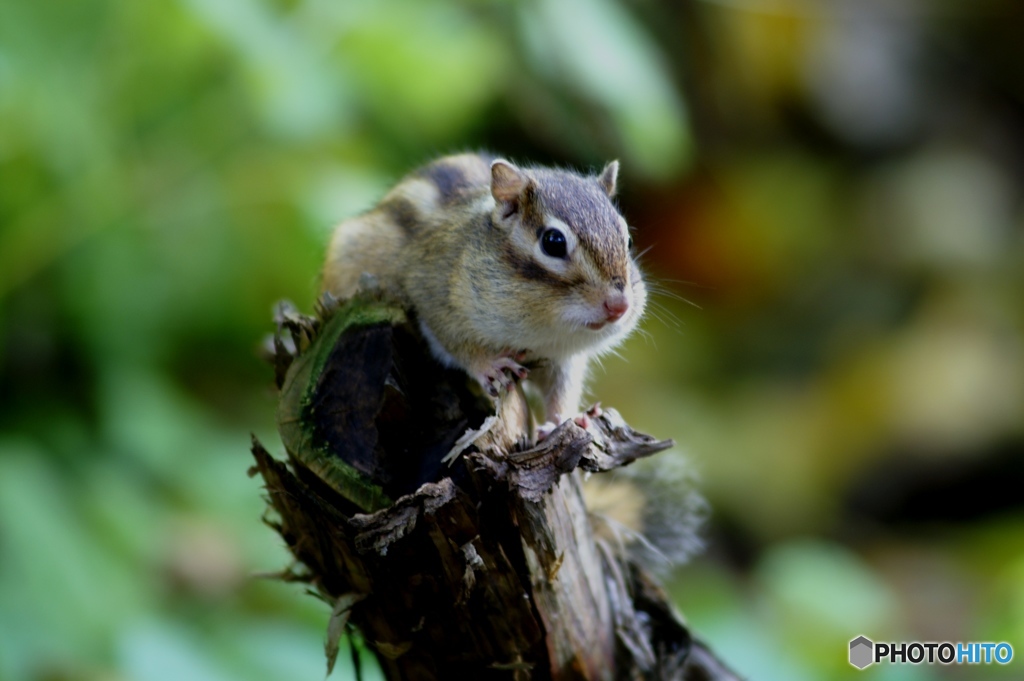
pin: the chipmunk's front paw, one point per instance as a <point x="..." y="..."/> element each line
<point x="582" y="420"/>
<point x="499" y="374"/>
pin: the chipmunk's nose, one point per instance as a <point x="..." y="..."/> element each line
<point x="615" y="305"/>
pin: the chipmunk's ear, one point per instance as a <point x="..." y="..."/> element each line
<point x="609" y="178"/>
<point x="509" y="184"/>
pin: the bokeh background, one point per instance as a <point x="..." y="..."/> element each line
<point x="831" y="196"/>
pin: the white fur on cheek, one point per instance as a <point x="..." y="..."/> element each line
<point x="574" y="336"/>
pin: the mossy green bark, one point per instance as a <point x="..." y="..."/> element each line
<point x="296" y="413"/>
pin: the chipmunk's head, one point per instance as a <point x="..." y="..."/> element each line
<point x="570" y="252"/>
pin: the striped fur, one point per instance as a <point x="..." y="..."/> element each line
<point x="460" y="239"/>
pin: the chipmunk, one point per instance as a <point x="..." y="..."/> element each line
<point x="504" y="267"/>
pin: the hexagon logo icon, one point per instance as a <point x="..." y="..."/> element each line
<point x="861" y="649"/>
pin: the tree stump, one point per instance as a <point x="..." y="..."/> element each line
<point x="429" y="520"/>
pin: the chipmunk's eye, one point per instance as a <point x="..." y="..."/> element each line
<point x="629" y="244"/>
<point x="552" y="242"/>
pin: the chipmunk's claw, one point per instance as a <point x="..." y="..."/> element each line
<point x="499" y="374"/>
<point x="582" y="420"/>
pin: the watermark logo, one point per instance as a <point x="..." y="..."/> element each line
<point x="861" y="652"/>
<point x="864" y="652"/>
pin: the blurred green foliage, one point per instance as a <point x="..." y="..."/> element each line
<point x="835" y="185"/>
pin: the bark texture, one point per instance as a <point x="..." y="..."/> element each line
<point x="433" y="526"/>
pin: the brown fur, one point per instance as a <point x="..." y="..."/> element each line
<point x="458" y="239"/>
